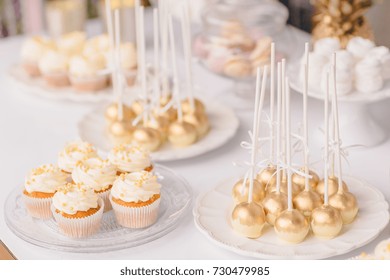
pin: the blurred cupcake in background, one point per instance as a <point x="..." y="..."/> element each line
<point x="72" y="43"/>
<point x="54" y="68"/>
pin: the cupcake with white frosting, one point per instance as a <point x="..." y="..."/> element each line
<point x="97" y="174"/>
<point x="33" y="50"/>
<point x="368" y="75"/>
<point x="73" y="153"/>
<point x="85" y="72"/>
<point x="54" y="68"/>
<point x="99" y="44"/>
<point x="130" y="158"/>
<point x="135" y="198"/>
<point x="128" y="61"/>
<point x="382" y="53"/>
<point x="72" y="43"/>
<point x="359" y="47"/>
<point x="39" y="188"/>
<point x="327" y="46"/>
<point x="78" y="210"/>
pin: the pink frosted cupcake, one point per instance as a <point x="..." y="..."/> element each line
<point x="99" y="175"/>
<point x="73" y="153"/>
<point x="39" y="188"/>
<point x="129" y="158"/>
<point x="135" y="198"/>
<point x="78" y="210"/>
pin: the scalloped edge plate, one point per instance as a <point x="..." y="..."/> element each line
<point x="212" y="213"/>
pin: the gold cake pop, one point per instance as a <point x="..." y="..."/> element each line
<point x="200" y="121"/>
<point x="248" y="219"/>
<point x="267" y="176"/>
<point x="291" y="226"/>
<point x="240" y="192"/>
<point x="326" y="222"/>
<point x="138" y="107"/>
<point x="347" y="205"/>
<point x="306" y="201"/>
<point x="198" y="106"/>
<point x="333" y="186"/>
<point x="170" y="114"/>
<point x="300" y="180"/>
<point x="112" y="114"/>
<point x="274" y="204"/>
<point x="120" y="132"/>
<point x="147" y="137"/>
<point x="182" y="133"/>
<point x="159" y="123"/>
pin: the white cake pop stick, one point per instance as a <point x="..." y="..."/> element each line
<point x="157" y="90"/>
<point x="278" y="126"/>
<point x="336" y="125"/>
<point x="174" y="68"/>
<point x="138" y="39"/>
<point x="272" y="101"/>
<point x="117" y="66"/>
<point x="326" y="145"/>
<point x="283" y="123"/>
<point x="143" y="63"/>
<point x="259" y="101"/>
<point x="288" y="146"/>
<point x="305" y="119"/>
<point x="164" y="46"/>
<point x="186" y="36"/>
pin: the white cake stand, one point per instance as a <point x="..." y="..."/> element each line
<point x="356" y="123"/>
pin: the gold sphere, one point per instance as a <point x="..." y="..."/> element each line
<point x="300" y="180"/>
<point x="200" y="121"/>
<point x="291" y="226"/>
<point x="164" y="100"/>
<point x="347" y="205"/>
<point x="326" y="222"/>
<point x="248" y="219"/>
<point x="306" y="202"/>
<point x="198" y="107"/>
<point x="147" y="137"/>
<point x="333" y="183"/>
<point x="138" y="107"/>
<point x="120" y="132"/>
<point x="274" y="204"/>
<point x="111" y="113"/>
<point x="283" y="188"/>
<point x="267" y="176"/>
<point x="161" y="124"/>
<point x="170" y="114"/>
<point x="182" y="134"/>
<point x="241" y="193"/>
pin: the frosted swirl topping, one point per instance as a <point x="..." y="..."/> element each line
<point x="34" y="48"/>
<point x="95" y="173"/>
<point x="45" y="178"/>
<point x="75" y="197"/>
<point x="81" y="66"/>
<point x="359" y="46"/>
<point x="129" y="158"/>
<point x="136" y="187"/>
<point x="53" y="62"/>
<point x="73" y="153"/>
<point x="327" y="46"/>
<point x="71" y="43"/>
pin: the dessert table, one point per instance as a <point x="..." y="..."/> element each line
<point x="33" y="129"/>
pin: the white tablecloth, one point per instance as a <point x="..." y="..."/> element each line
<point x="33" y="130"/>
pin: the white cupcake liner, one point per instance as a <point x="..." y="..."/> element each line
<point x="79" y="227"/>
<point x="136" y="217"/>
<point x="105" y="196"/>
<point x="38" y="207"/>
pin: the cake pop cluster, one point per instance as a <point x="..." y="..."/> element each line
<point x="160" y="113"/>
<point x="293" y="200"/>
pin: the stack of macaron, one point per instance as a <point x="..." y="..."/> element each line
<point x="73" y="60"/>
<point x="82" y="186"/>
<point x="361" y="66"/>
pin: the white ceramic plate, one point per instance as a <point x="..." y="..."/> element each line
<point x="176" y="196"/>
<point x="212" y="218"/>
<point x="38" y="87"/>
<point x="223" y="122"/>
<point x="354" y="96"/>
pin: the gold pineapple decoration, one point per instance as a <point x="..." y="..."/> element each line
<point x="342" y="19"/>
